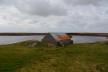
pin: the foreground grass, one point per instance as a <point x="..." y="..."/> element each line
<point x="73" y="58"/>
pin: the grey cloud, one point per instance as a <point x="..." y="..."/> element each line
<point x="84" y="2"/>
<point x="7" y="2"/>
<point x="86" y="19"/>
<point x="40" y="7"/>
<point x="46" y="16"/>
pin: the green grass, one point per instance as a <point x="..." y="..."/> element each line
<point x="72" y="58"/>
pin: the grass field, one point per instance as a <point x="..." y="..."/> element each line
<point x="72" y="58"/>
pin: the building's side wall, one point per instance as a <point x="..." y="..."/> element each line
<point x="66" y="42"/>
<point x="49" y="40"/>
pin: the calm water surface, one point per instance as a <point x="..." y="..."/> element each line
<point x="76" y="39"/>
<point x="14" y="39"/>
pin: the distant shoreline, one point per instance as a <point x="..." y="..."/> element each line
<point x="77" y="39"/>
<point x="34" y="34"/>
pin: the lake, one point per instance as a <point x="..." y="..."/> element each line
<point x="14" y="39"/>
<point x="88" y="39"/>
<point x="76" y="39"/>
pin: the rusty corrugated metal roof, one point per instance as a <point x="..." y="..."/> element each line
<point x="60" y="36"/>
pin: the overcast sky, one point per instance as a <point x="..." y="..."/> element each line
<point x="53" y="15"/>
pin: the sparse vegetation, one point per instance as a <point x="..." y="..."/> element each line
<point x="73" y="58"/>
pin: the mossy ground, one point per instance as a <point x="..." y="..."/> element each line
<point x="72" y="58"/>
